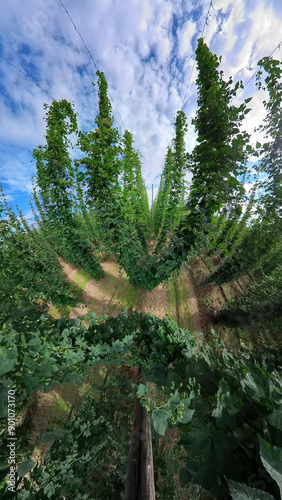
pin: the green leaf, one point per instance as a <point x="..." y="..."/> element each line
<point x="248" y="100"/>
<point x="47" y="437"/>
<point x="8" y="359"/>
<point x="198" y="439"/>
<point x="256" y="384"/>
<point x="187" y="416"/>
<point x="174" y="401"/>
<point x="176" y="466"/>
<point x="160" y="420"/>
<point x="49" y="490"/>
<point x="91" y="318"/>
<point x="240" y="491"/>
<point x="25" y="467"/>
<point x="142" y="390"/>
<point x="275" y="419"/>
<point x="225" y="149"/>
<point x="185" y="476"/>
<point x="226" y="401"/>
<point x="271" y="458"/>
<point x="201" y="407"/>
<point x="213" y="444"/>
<point x="233" y="182"/>
<point x="201" y="138"/>
<point x="34" y="342"/>
<point x="81" y="177"/>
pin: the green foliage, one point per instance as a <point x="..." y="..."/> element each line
<point x="135" y="193"/>
<point x="88" y="458"/>
<point x="160" y="420"/>
<point x="257" y="251"/>
<point x="55" y="180"/>
<point x="261" y="305"/>
<point x="30" y="272"/>
<point x="271" y="200"/>
<point x="272" y="459"/>
<point x="243" y="492"/>
<point x="169" y="207"/>
<point x="226" y="406"/>
<point x="25" y="467"/>
<point x="220" y="155"/>
<point x="229" y="228"/>
<point x="121" y="213"/>
<point x="102" y="165"/>
<point x="161" y="217"/>
<point x="219" y="401"/>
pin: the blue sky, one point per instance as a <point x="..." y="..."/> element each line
<point x="146" y="50"/>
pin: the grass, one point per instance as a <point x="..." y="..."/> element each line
<point x="77" y="289"/>
<point x="171" y="296"/>
<point x="179" y="305"/>
<point x="213" y="298"/>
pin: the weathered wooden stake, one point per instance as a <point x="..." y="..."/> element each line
<point x="140" y="470"/>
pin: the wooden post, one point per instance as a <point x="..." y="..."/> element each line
<point x="140" y="471"/>
<point x="147" y="483"/>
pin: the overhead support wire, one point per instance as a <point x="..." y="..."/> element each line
<point x="29" y="77"/>
<point x="14" y="146"/>
<point x="256" y="72"/>
<point x="188" y="85"/>
<point x="35" y="83"/>
<point x="79" y="34"/>
<point x="25" y="148"/>
<point x="192" y="70"/>
<point x="91" y="57"/>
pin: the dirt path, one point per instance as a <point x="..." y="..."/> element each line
<point x="111" y="293"/>
<point x="114" y="292"/>
<point x="184" y="306"/>
<point x="156" y="302"/>
<point x="194" y="303"/>
<point x="212" y="298"/>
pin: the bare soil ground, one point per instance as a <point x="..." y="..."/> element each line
<point x="212" y="298"/>
<point x="184" y="304"/>
<point x="155" y="302"/>
<point x="192" y="306"/>
<point x="114" y="292"/>
<point x="111" y="293"/>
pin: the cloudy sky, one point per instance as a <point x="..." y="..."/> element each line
<point x="146" y="49"/>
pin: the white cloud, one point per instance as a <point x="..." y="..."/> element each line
<point x="16" y="173"/>
<point x="147" y="67"/>
<point x="185" y="36"/>
<point x="146" y="15"/>
<point x="29" y="216"/>
<point x="249" y="186"/>
<point x="236" y="17"/>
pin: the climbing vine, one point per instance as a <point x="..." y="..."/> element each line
<point x="220" y="402"/>
<point x="226" y="406"/>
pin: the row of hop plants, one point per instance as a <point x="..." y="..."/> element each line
<point x="226" y="408"/>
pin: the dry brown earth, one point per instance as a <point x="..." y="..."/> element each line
<point x="114" y="292"/>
